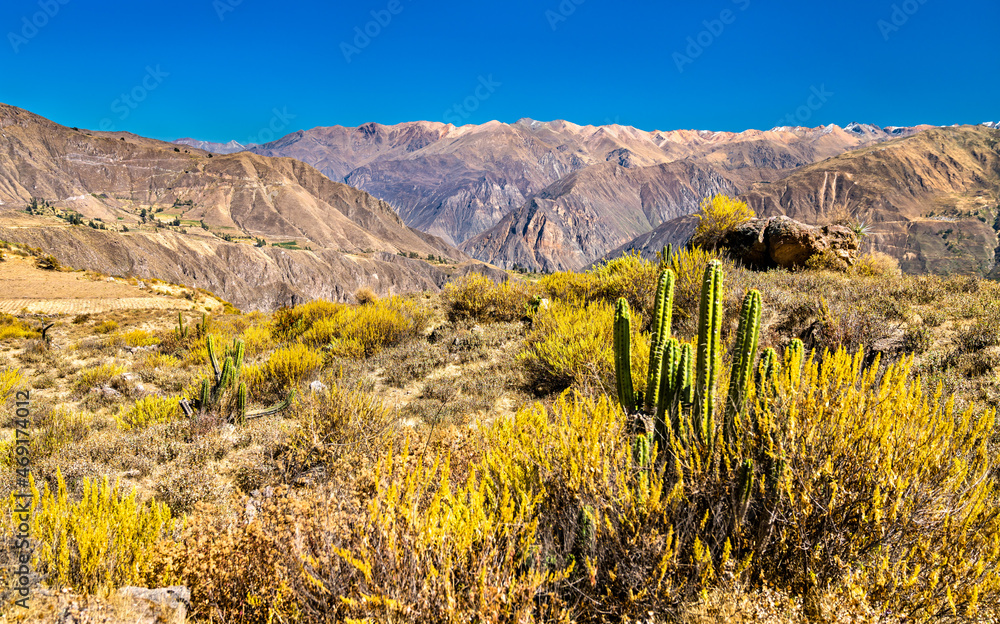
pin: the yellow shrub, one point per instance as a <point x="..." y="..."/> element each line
<point x="156" y="360"/>
<point x="476" y="296"/>
<point x="629" y="276"/>
<point x="876" y="264"/>
<point x="288" y="367"/>
<point x="10" y="380"/>
<point x="257" y="339"/>
<point x="688" y="265"/>
<point x="136" y="338"/>
<point x="567" y="286"/>
<point x="106" y="327"/>
<point x="16" y="331"/>
<point x="365" y="330"/>
<point x="97" y="376"/>
<point x="147" y="411"/>
<point x="101" y="542"/>
<point x="290" y="323"/>
<point x="12" y="327"/>
<point x="573" y="345"/>
<point x="719" y="215"/>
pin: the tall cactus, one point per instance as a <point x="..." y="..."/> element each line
<point x="181" y="331"/>
<point x="225" y="378"/>
<point x="662" y="319"/>
<point x="623" y="355"/>
<point x="709" y="351"/>
<point x="744" y="356"/>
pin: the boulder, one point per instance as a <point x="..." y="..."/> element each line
<point x="787" y="243"/>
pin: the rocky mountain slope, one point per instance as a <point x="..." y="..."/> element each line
<point x="457" y="182"/>
<point x="195" y="218"/>
<point x="932" y="200"/>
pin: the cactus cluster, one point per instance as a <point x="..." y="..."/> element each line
<point x="681" y="384"/>
<point x="225" y="377"/>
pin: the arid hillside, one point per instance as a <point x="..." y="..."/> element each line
<point x="262" y="232"/>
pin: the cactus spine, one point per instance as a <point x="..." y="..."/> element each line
<point x="623" y="355"/>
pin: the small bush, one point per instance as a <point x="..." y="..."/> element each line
<point x="101" y="542"/>
<point x="876" y="264"/>
<point x="477" y="297"/>
<point x="290" y="366"/>
<point x="364" y="296"/>
<point x="97" y="376"/>
<point x="48" y="263"/>
<point x="917" y="339"/>
<point x="12" y="327"/>
<point x="147" y="411"/>
<point x="980" y="335"/>
<point x="719" y="215"/>
<point x="106" y="327"/>
<point x="10" y="380"/>
<point x="570" y="345"/>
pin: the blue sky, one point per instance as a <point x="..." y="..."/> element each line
<point x="251" y="70"/>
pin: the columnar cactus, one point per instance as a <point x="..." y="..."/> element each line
<point x="623" y="355"/>
<point x="744" y="355"/>
<point x="225" y="379"/>
<point x="709" y="351"/>
<point x="181" y="331"/>
<point x="662" y="318"/>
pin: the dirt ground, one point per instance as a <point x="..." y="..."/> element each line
<point x="25" y="287"/>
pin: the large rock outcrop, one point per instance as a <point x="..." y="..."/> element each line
<point x="786" y="243"/>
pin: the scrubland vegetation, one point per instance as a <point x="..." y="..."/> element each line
<point x="466" y="456"/>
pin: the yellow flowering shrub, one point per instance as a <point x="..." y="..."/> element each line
<point x="101" y="542"/>
<point x="147" y="411"/>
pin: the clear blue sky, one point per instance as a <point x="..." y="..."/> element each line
<point x="250" y="69"/>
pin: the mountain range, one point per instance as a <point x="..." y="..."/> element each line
<point x="262" y="232"/>
<point x="549" y="196"/>
<point x="324" y="212"/>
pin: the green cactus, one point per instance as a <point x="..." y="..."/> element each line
<point x="226" y="378"/>
<point x="662" y="319"/>
<point x="241" y="402"/>
<point x="744" y="355"/>
<point x="767" y="378"/>
<point x="623" y="355"/>
<point x="274" y="409"/>
<point x="181" y="331"/>
<point x="709" y="351"/>
<point x="204" y="326"/>
<point x="794" y="359"/>
<point x="640" y="450"/>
